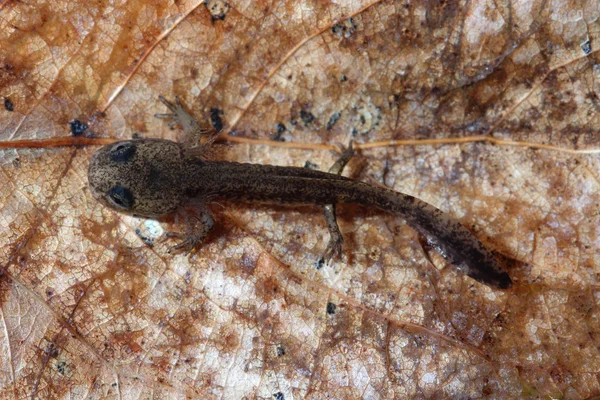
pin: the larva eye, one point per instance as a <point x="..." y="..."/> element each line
<point x="121" y="198"/>
<point x="122" y="152"/>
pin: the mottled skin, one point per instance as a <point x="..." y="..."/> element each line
<point x="154" y="177"/>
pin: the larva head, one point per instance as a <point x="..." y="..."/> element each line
<point x="140" y="177"/>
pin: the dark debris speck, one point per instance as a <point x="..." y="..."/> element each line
<point x="8" y="104"/>
<point x="148" y="241"/>
<point x="215" y="118"/>
<point x="310" y="165"/>
<point x="61" y="366"/>
<point x="320" y="263"/>
<point x="345" y="28"/>
<point x="306" y="117"/>
<point x="331" y="308"/>
<point x="332" y="120"/>
<point x="278" y="136"/>
<point x="279" y="396"/>
<point x="218" y="9"/>
<point x="280" y="127"/>
<point x="586" y="47"/>
<point x="280" y="351"/>
<point x="77" y="127"/>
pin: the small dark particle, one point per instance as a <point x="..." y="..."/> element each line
<point x="16" y="162"/>
<point x="320" y="263"/>
<point x="217" y="8"/>
<point x="310" y="165"/>
<point x="8" y="105"/>
<point x="332" y="120"/>
<point x="280" y="128"/>
<point x="52" y="350"/>
<point x="586" y="47"/>
<point x="278" y="136"/>
<point x="77" y="127"/>
<point x="215" y="119"/>
<point x="136" y="135"/>
<point x="331" y="308"/>
<point x="148" y="241"/>
<point x="293" y="122"/>
<point x="280" y="351"/>
<point x="61" y="366"/>
<point x="343" y="78"/>
<point x="345" y="28"/>
<point x="306" y="117"/>
<point x="279" y="396"/>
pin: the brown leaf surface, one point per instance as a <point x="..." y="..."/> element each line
<point x="88" y="309"/>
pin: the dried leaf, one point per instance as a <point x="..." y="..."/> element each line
<point x="91" y="304"/>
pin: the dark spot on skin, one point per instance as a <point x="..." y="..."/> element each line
<point x="279" y="396"/>
<point x="122" y="197"/>
<point x="280" y="128"/>
<point x="306" y="117"/>
<point x="280" y="351"/>
<point x="77" y="127"/>
<point x="8" y="105"/>
<point x="310" y="165"/>
<point x="293" y="122"/>
<point x="343" y="78"/>
<point x="332" y="120"/>
<point x="215" y="119"/>
<point x="16" y="162"/>
<point x="331" y="308"/>
<point x="122" y="152"/>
